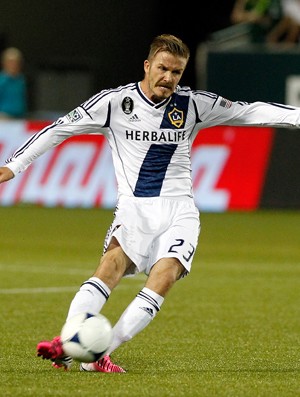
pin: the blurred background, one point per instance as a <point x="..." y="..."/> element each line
<point x="241" y="49"/>
<point x="73" y="49"/>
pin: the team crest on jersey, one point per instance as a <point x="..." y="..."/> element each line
<point x="74" y="116"/>
<point x="127" y="105"/>
<point x="176" y="117"/>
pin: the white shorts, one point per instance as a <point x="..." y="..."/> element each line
<point x="149" y="229"/>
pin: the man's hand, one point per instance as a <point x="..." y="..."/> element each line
<point x="5" y="174"/>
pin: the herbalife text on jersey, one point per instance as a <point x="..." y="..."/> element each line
<point x="155" y="136"/>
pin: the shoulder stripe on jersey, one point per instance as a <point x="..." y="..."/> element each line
<point x="20" y="150"/>
<point x="206" y="93"/>
<point x="279" y="105"/>
<point x="86" y="112"/>
<point x="96" y="98"/>
<point x="90" y="102"/>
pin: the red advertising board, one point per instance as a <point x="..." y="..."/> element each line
<point x="235" y="167"/>
<point x="229" y="166"/>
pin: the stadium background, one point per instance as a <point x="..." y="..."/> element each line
<point x="73" y="49"/>
<point x="107" y="39"/>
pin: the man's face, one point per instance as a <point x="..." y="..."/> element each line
<point x="162" y="75"/>
<point x="12" y="66"/>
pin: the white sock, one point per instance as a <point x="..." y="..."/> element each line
<point x="136" y="317"/>
<point x="91" y="297"/>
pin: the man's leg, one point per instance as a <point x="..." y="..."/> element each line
<point x="148" y="301"/>
<point x="91" y="297"/>
<point x="95" y="291"/>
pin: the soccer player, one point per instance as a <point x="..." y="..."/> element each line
<point x="150" y="126"/>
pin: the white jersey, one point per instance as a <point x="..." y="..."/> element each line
<point x="150" y="142"/>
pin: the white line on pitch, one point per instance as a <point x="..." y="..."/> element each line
<point x="37" y="290"/>
<point x="51" y="290"/>
<point x="46" y="268"/>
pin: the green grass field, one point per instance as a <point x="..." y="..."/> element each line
<point x="231" y="328"/>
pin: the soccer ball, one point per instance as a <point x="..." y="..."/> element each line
<point x="86" y="337"/>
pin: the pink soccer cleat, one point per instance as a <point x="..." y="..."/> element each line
<point x="103" y="365"/>
<point x="52" y="350"/>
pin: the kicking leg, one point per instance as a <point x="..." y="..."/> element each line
<point x="148" y="301"/>
<point x="94" y="292"/>
<point x="90" y="298"/>
<point x="141" y="310"/>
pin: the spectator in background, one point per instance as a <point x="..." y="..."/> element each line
<point x="287" y="30"/>
<point x="13" y="95"/>
<point x="260" y="16"/>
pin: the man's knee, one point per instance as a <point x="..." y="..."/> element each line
<point x="164" y="274"/>
<point x="112" y="267"/>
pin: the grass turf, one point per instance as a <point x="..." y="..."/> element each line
<point x="231" y="328"/>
